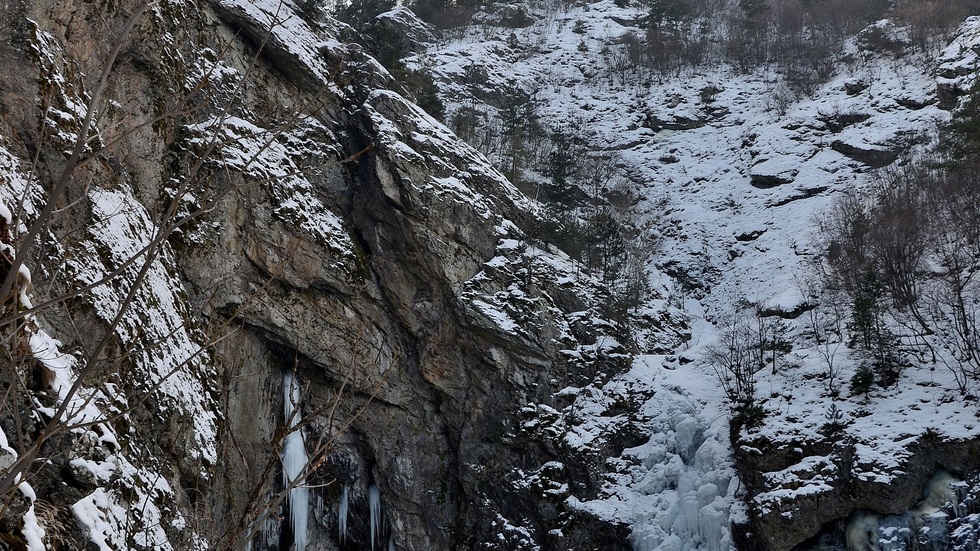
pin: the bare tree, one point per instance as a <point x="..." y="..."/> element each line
<point x="822" y="319"/>
<point x="43" y="416"/>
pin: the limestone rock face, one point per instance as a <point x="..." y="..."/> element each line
<point x="799" y="488"/>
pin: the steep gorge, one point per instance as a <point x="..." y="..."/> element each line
<point x="461" y="385"/>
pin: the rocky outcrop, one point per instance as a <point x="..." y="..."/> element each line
<point x="769" y="173"/>
<point x="403" y="22"/>
<point x="510" y="16"/>
<point x="874" y="157"/>
<point x="958" y="64"/>
<point x="798" y="488"/>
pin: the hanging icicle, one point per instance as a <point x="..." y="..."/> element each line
<point x="294" y="461"/>
<point x="342" y="514"/>
<point x="374" y="504"/>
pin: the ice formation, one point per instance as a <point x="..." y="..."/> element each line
<point x="342" y="514"/>
<point x="294" y="460"/>
<point x="684" y="480"/>
<point x="374" y="501"/>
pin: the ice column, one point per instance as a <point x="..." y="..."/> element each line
<point x="342" y="514"/>
<point x="374" y="502"/>
<point x="294" y="460"/>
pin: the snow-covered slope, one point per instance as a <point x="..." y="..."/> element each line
<point x="735" y="173"/>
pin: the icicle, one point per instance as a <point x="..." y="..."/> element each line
<point x="374" y="502"/>
<point x="342" y="514"/>
<point x="294" y="460"/>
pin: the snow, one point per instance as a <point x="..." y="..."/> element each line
<point x="122" y="231"/>
<point x="68" y="101"/>
<point x="269" y="158"/>
<point x="412" y="137"/>
<point x="169" y="354"/>
<point x="279" y="27"/>
<point x="667" y="497"/>
<point x="32" y="530"/>
<point x="676" y="489"/>
<point x="959" y="61"/>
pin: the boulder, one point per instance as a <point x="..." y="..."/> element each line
<point x="510" y="16"/>
<point x="403" y="22"/>
<point x="874" y="157"/>
<point x="774" y="172"/>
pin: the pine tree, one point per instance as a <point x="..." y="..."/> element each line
<point x="961" y="137"/>
<point x="360" y="13"/>
<point x="562" y="170"/>
<point x="862" y="380"/>
<point x="515" y="115"/>
<point x="869" y="329"/>
<point x="668" y="13"/>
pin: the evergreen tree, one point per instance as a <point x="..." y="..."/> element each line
<point x="668" y="13"/>
<point x="388" y="46"/>
<point x="515" y="117"/>
<point x="961" y="139"/>
<point x="563" y="171"/>
<point x="360" y="13"/>
<point x="869" y="330"/>
<point x="865" y="324"/>
<point x="607" y="246"/>
<point x="862" y="380"/>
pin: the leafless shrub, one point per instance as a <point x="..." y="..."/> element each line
<point x="748" y="343"/>
<point x="105" y="358"/>
<point x="932" y="22"/>
<point x="823" y="320"/>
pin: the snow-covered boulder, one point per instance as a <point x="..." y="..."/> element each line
<point x="509" y="16"/>
<point x="774" y="172"/>
<point x="417" y="33"/>
<point x="873" y="156"/>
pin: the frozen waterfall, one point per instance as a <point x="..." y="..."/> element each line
<point x="294" y="461"/>
<point x="677" y="489"/>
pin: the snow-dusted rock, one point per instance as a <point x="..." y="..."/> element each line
<point x="418" y="34"/>
<point x="774" y="172"/>
<point x="874" y="157"/>
<point x="958" y="64"/>
<point x="506" y="15"/>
